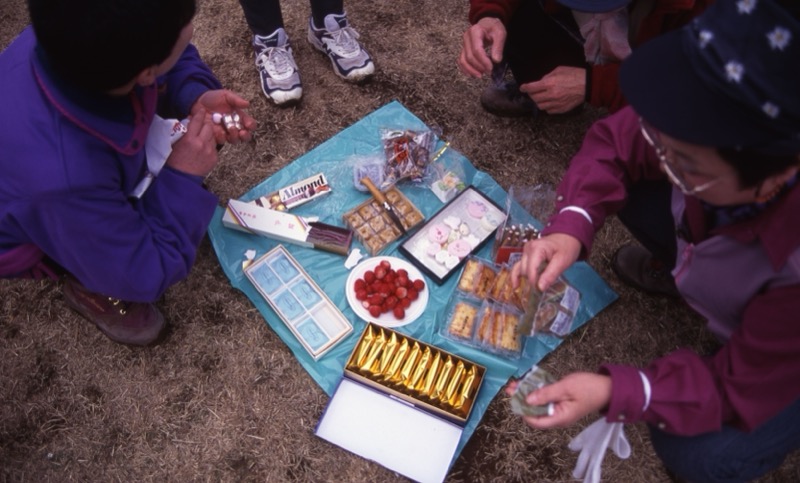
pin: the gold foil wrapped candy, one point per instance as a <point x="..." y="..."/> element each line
<point x="418" y="373"/>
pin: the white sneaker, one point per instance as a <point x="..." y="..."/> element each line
<point x="277" y="69"/>
<point x="339" y="42"/>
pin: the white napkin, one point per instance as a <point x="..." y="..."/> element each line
<point x="162" y="135"/>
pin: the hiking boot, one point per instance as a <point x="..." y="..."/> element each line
<point x="277" y="69"/>
<point x="506" y="100"/>
<point x="636" y="266"/>
<point x="124" y="322"/>
<point x="339" y="42"/>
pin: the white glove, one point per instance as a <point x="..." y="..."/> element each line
<point x="592" y="443"/>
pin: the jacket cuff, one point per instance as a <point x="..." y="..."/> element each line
<point x="574" y="224"/>
<point x="627" y="394"/>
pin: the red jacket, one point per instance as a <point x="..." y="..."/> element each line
<point x="605" y="92"/>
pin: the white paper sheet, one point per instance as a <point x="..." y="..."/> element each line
<point x="390" y="432"/>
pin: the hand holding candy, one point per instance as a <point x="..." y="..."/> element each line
<point x="226" y="110"/>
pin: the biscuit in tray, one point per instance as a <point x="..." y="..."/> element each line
<point x="510" y="337"/>
<point x="485" y="282"/>
<point x="469" y="276"/>
<point x="463" y="320"/>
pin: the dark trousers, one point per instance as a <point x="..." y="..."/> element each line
<point x="538" y="42"/>
<point x="648" y="216"/>
<point x="264" y="16"/>
<point x="731" y="455"/>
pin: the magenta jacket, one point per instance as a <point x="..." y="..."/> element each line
<point x="744" y="278"/>
<point x="68" y="161"/>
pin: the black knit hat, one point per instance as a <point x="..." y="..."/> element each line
<point x="730" y="78"/>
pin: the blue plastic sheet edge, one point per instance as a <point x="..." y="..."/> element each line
<point x="336" y="157"/>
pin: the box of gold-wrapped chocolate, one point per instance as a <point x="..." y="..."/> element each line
<point x="374" y="227"/>
<point x="415" y="372"/>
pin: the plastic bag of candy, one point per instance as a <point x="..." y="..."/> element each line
<point x="407" y="153"/>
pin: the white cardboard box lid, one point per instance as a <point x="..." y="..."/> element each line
<point x="390" y="432"/>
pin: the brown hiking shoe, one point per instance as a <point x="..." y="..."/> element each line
<point x="506" y="100"/>
<point x="636" y="266"/>
<point x="123" y="322"/>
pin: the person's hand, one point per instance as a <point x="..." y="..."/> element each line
<point x="487" y="32"/>
<point x="558" y="92"/>
<point x="573" y="397"/>
<point x="556" y="252"/>
<point x="224" y="101"/>
<point x="196" y="151"/>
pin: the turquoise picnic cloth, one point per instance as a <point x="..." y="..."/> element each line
<point x="335" y="158"/>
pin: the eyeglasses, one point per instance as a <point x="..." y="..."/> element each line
<point x="672" y="169"/>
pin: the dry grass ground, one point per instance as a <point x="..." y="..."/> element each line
<point x="222" y="398"/>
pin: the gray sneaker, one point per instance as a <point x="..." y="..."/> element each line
<point x="277" y="69"/>
<point x="340" y="43"/>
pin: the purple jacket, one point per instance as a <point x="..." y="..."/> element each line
<point x="68" y="160"/>
<point x="744" y="278"/>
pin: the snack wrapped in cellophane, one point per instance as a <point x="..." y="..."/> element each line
<point x="535" y="378"/>
<point x="408" y="154"/>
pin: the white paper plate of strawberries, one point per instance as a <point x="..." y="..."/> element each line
<point x="388" y="291"/>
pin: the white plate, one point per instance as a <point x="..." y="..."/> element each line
<point x="388" y="319"/>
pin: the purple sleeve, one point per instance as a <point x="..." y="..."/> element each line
<point x="748" y="381"/>
<point x="184" y="83"/>
<point x="613" y="155"/>
<point x="134" y="252"/>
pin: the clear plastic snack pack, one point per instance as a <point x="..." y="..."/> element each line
<point x="408" y="154"/>
<point x="487" y="312"/>
<point x="534" y="379"/>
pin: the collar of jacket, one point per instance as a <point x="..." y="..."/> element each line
<point x="776" y="227"/>
<point x="124" y="133"/>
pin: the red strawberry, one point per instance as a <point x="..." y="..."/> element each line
<point x="413" y="294"/>
<point x="419" y="285"/>
<point x="399" y="312"/>
<point x="369" y="276"/>
<point x="361" y="294"/>
<point x="401" y="292"/>
<point x="391" y="301"/>
<point x="402" y="273"/>
<point x="385" y="264"/>
<point x="360" y="284"/>
<point x="375" y="299"/>
<point x="405" y="303"/>
<point x="402" y="281"/>
<point x="380" y="272"/>
<point x="375" y="310"/>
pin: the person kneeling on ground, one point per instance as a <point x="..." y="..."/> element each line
<point x="703" y="170"/>
<point x="86" y="189"/>
<point x="561" y="53"/>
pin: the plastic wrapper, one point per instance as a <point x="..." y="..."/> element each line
<point x="552" y="311"/>
<point x="372" y="167"/>
<point x="408" y="154"/>
<point x="534" y="379"/>
<point x="447" y="175"/>
<point x="476" y="319"/>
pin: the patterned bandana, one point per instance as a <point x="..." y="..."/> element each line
<point x="730" y="78"/>
<point x="749" y="50"/>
